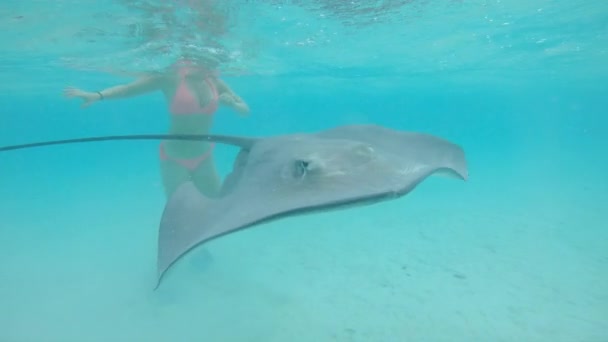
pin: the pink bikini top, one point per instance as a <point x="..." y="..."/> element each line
<point x="185" y="102"/>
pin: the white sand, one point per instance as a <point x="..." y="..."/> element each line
<point x="453" y="261"/>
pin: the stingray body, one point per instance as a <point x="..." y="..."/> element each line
<point x="294" y="174"/>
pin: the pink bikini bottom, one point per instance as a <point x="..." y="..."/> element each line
<point x="191" y="163"/>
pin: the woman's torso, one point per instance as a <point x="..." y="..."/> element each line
<point x="203" y="90"/>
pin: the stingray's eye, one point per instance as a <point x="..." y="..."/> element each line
<point x="300" y="168"/>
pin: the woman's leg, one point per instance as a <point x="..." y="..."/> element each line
<point x="173" y="175"/>
<point x="202" y="172"/>
<point x="206" y="178"/>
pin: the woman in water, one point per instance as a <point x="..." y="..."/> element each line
<point x="194" y="94"/>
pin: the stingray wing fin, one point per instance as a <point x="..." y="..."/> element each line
<point x="180" y="225"/>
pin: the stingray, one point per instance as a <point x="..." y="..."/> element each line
<point x="294" y="174"/>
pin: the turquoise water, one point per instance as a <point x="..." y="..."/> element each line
<point x="516" y="253"/>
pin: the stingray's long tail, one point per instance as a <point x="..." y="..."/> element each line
<point x="232" y="140"/>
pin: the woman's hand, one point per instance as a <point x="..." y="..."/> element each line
<point x="227" y="99"/>
<point x="235" y="102"/>
<point x="88" y="97"/>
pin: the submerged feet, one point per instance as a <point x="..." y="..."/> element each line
<point x="201" y="260"/>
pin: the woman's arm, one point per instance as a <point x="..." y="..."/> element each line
<point x="140" y="86"/>
<point x="230" y="98"/>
